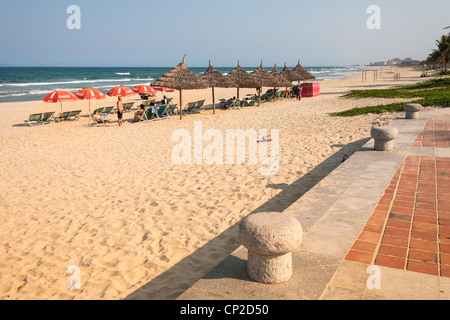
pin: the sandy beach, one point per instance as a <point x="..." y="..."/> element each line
<point x="110" y="201"/>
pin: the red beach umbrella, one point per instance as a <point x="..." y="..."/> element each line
<point x="120" y="92"/>
<point x="90" y="94"/>
<point x="163" y="89"/>
<point x="60" y="96"/>
<point x="144" y="89"/>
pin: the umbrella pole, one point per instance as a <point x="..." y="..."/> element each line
<point x="62" y="115"/>
<point x="237" y="93"/>
<point x="181" y="106"/>
<point x="214" y="104"/>
<point x="259" y="96"/>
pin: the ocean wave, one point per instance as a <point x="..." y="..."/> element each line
<point x="123" y="74"/>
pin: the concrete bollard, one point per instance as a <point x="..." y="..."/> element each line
<point x="384" y="137"/>
<point x="270" y="238"/>
<point x="412" y="110"/>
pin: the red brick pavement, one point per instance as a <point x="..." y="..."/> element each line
<point x="436" y="134"/>
<point x="410" y="227"/>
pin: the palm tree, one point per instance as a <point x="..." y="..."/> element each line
<point x="442" y="52"/>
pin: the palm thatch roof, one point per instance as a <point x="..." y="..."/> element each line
<point x="303" y="72"/>
<point x="283" y="81"/>
<point x="242" y="79"/>
<point x="264" y="78"/>
<point x="290" y="74"/>
<point x="181" y="78"/>
<point x="216" y="79"/>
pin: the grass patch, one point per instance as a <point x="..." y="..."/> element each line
<point x="434" y="92"/>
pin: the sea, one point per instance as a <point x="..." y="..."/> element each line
<point x="34" y="83"/>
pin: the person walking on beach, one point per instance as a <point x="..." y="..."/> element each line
<point x="298" y="92"/>
<point x="119" y="110"/>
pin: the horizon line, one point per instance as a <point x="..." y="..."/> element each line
<point x="136" y="67"/>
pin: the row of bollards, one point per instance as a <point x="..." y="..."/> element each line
<point x="271" y="237"/>
<point x="384" y="136"/>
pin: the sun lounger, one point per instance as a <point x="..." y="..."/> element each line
<point x="34" y="118"/>
<point x="93" y="121"/>
<point x="170" y="110"/>
<point x="128" y="106"/>
<point x="62" y="116"/>
<point x="265" y="97"/>
<point x="199" y="105"/>
<point x="148" y="115"/>
<point x="250" y="103"/>
<point x="190" y="107"/>
<point x="235" y="104"/>
<point x="283" y="94"/>
<point x="161" y="112"/>
<point x="106" y="110"/>
<point x="47" y="116"/>
<point x="74" y="115"/>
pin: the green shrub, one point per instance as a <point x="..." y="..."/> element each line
<point x="434" y="92"/>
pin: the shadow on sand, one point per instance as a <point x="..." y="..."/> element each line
<point x="159" y="287"/>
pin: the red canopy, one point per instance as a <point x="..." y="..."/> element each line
<point x="60" y="96"/>
<point x="144" y="89"/>
<point x="163" y="89"/>
<point x="120" y="92"/>
<point x="89" y="93"/>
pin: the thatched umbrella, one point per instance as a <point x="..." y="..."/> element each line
<point x="216" y="79"/>
<point x="303" y="72"/>
<point x="242" y="79"/>
<point x="180" y="78"/>
<point x="290" y="74"/>
<point x="264" y="78"/>
<point x="283" y="81"/>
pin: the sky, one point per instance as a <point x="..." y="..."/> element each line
<point x="147" y="33"/>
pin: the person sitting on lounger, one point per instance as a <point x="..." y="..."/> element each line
<point x="153" y="106"/>
<point x="138" y="114"/>
<point x="228" y="103"/>
<point x="100" y="119"/>
<point x="164" y="100"/>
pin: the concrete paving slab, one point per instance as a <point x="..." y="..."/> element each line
<point x="333" y="214"/>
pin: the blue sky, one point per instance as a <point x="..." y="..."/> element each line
<point x="158" y="33"/>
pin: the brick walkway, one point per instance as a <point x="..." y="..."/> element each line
<point x="410" y="227"/>
<point x="436" y="134"/>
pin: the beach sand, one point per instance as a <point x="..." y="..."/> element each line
<point x="110" y="201"/>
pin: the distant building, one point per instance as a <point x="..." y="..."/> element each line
<point x="395" y="62"/>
